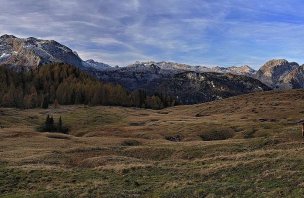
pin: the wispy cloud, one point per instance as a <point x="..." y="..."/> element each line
<point x="224" y="32"/>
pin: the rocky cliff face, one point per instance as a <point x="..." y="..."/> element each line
<point x="281" y="74"/>
<point x="294" y="79"/>
<point x="277" y="73"/>
<point x="32" y="52"/>
<point x="193" y="87"/>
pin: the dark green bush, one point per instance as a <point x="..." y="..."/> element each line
<point x="216" y="135"/>
<point x="130" y="143"/>
<point x="174" y="138"/>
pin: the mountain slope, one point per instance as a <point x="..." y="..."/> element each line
<point x="95" y="65"/>
<point x="192" y="87"/>
<point x="66" y="85"/>
<point x="275" y="73"/>
<point x="32" y="52"/>
<point x="187" y="87"/>
<point x="177" y="67"/>
<point x="294" y="79"/>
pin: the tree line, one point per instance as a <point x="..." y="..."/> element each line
<point x="67" y="85"/>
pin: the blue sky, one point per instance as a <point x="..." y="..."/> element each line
<point x="196" y="32"/>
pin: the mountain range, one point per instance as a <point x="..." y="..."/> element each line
<point x="188" y="84"/>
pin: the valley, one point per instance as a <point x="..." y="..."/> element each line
<point x="131" y="152"/>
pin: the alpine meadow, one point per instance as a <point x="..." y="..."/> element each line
<point x="142" y="98"/>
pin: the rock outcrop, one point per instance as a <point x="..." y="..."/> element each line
<point x="275" y="73"/>
<point x="32" y="52"/>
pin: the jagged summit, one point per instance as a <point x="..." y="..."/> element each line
<point x="245" y="68"/>
<point x="278" y="63"/>
<point x="33" y="52"/>
<point x="274" y="62"/>
<point x="96" y="65"/>
<point x="177" y="67"/>
<point x="6" y="36"/>
<point x="274" y="72"/>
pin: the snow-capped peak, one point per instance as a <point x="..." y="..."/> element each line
<point x="96" y="65"/>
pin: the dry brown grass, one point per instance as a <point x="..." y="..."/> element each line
<point x="114" y="151"/>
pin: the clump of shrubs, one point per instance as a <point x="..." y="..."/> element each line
<point x="216" y="135"/>
<point x="130" y="143"/>
<point x="50" y="126"/>
<point x="174" y="138"/>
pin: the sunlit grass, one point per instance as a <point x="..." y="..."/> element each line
<point x="123" y="152"/>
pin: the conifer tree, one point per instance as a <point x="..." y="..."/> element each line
<point x="47" y="125"/>
<point x="59" y="127"/>
<point x="52" y="127"/>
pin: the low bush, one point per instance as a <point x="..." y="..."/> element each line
<point x="175" y="138"/>
<point x="130" y="143"/>
<point x="216" y="135"/>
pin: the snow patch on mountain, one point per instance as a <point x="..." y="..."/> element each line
<point x="96" y="65"/>
<point x="176" y="67"/>
<point x="4" y="55"/>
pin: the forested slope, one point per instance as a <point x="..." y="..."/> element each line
<point x="65" y="84"/>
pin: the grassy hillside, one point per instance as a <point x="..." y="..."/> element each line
<point x="130" y="152"/>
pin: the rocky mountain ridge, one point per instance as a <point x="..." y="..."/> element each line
<point x="177" y="67"/>
<point x="188" y="87"/>
<point x="97" y="65"/>
<point x="32" y="53"/>
<point x="281" y="74"/>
